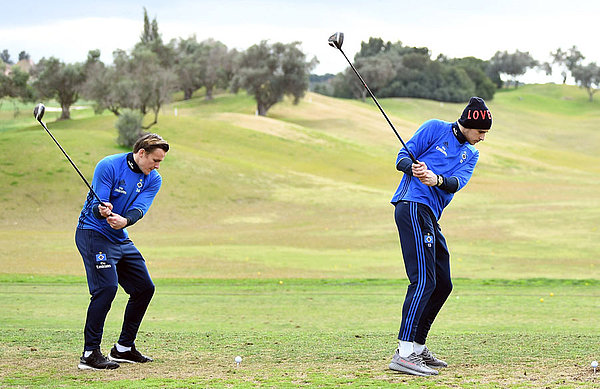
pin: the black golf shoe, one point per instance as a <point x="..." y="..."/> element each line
<point x="96" y="361"/>
<point x="131" y="356"/>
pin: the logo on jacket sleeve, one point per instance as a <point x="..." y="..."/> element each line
<point x="428" y="239"/>
<point x="139" y="185"/>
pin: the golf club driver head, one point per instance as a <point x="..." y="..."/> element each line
<point x="38" y="112"/>
<point x="336" y="40"/>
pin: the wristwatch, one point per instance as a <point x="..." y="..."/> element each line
<point x="440" y="180"/>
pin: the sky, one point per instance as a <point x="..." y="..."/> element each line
<point x="68" y="29"/>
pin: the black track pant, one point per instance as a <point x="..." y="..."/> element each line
<point x="427" y="264"/>
<point x="107" y="265"/>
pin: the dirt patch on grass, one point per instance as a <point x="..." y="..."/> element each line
<point x="23" y="367"/>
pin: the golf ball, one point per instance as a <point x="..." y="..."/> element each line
<point x="594" y="364"/>
<point x="238" y="359"/>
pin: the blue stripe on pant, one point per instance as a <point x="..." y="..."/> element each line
<point x="107" y="265"/>
<point x="427" y="264"/>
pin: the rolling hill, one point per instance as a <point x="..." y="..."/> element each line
<point x="305" y="191"/>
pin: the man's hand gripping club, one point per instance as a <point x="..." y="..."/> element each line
<point x="116" y="221"/>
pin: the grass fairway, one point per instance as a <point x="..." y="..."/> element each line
<point x="273" y="238"/>
<point x="305" y="332"/>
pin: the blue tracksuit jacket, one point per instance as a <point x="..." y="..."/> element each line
<point x="435" y="144"/>
<point x="116" y="182"/>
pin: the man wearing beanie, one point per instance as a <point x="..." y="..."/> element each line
<point x="446" y="157"/>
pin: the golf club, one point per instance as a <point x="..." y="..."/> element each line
<point x="38" y="113"/>
<point x="336" y="41"/>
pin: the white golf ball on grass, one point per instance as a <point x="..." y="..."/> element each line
<point x="238" y="359"/>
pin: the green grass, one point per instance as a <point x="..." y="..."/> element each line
<point x="302" y="182"/>
<point x="306" y="332"/>
<point x="274" y="238"/>
<point x="15" y="114"/>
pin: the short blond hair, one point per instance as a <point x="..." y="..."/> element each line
<point x="149" y="142"/>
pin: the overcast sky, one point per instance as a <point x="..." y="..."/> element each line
<point x="68" y="29"/>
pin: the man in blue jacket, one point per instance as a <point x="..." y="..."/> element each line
<point x="127" y="184"/>
<point x="446" y="158"/>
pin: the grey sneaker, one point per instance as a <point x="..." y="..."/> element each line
<point x="413" y="364"/>
<point x="430" y="359"/>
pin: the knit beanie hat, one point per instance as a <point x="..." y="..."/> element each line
<point x="476" y="115"/>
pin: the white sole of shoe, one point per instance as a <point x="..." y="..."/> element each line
<point x="120" y="360"/>
<point x="402" y="369"/>
<point x="82" y="366"/>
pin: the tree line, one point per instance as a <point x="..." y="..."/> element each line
<point x="394" y="70"/>
<point x="141" y="81"/>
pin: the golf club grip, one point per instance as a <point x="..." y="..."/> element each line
<point x="412" y="157"/>
<point x="72" y="163"/>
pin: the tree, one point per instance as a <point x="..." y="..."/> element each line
<point x="587" y="77"/>
<point x="143" y="80"/>
<point x="150" y="32"/>
<point x="323" y="88"/>
<point x="393" y="70"/>
<point x="514" y="65"/>
<point x="377" y="71"/>
<point x="373" y="47"/>
<point x="268" y="72"/>
<point x="135" y="89"/>
<point x="148" y="93"/>
<point x="101" y="84"/>
<point x="231" y="65"/>
<point x="418" y="76"/>
<point x="188" y="65"/>
<point x="129" y="127"/>
<point x="322" y="84"/>
<point x="207" y="64"/>
<point x="567" y="60"/>
<point x="15" y="85"/>
<point x="421" y="77"/>
<point x="55" y="79"/>
<point x="476" y="69"/>
<point x="152" y="40"/>
<point x="546" y="67"/>
<point x="19" y="85"/>
<point x="137" y="82"/>
<point x="213" y="65"/>
<point x="559" y="57"/>
<point x="5" y="57"/>
<point x="23" y="55"/>
<point x="573" y="58"/>
<point x="343" y="84"/>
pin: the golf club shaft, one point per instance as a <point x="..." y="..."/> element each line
<point x="72" y="163"/>
<point x="412" y="157"/>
